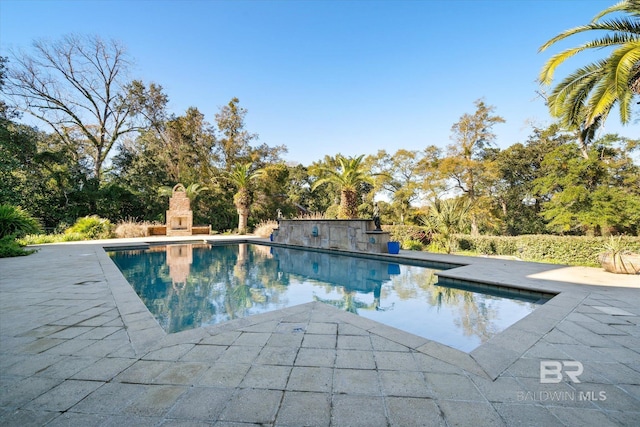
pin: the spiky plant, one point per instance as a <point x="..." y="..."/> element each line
<point x="192" y="191"/>
<point x="445" y="219"/>
<point x="16" y="222"/>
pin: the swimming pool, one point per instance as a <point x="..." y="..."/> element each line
<point x="186" y="286"/>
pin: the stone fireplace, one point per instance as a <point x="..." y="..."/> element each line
<point x="179" y="215"/>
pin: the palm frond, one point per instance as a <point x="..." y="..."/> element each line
<point x="568" y="96"/>
<point x="586" y="97"/>
<point x="632" y="7"/>
<point x="548" y="70"/>
<point x="616" y="25"/>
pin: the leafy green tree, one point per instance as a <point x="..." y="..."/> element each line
<point x="149" y="102"/>
<point x="234" y="142"/>
<point x="299" y="193"/>
<point x="188" y="141"/>
<point x="271" y="194"/>
<point x="583" y="99"/>
<point x="518" y="167"/>
<point x="38" y="173"/>
<point x="596" y="195"/>
<point x="401" y="176"/>
<point x="463" y="166"/>
<point x="140" y="168"/>
<point x="329" y="192"/>
<point x="5" y="110"/>
<point x="177" y="150"/>
<point x="348" y="177"/>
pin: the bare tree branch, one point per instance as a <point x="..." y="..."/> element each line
<point x="76" y="86"/>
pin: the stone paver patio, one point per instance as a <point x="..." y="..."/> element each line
<point x="78" y="347"/>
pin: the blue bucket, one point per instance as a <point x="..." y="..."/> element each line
<point x="393" y="247"/>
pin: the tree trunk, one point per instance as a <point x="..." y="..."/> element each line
<point x="243" y="215"/>
<point x="471" y="194"/>
<point x="348" y="204"/>
<point x="242" y="200"/>
<point x="475" y="231"/>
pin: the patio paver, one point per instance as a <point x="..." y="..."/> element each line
<point x="78" y="347"/>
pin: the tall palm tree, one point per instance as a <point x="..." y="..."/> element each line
<point x="241" y="177"/>
<point x="584" y="99"/>
<point x="350" y="174"/>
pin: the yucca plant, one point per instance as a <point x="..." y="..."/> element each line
<point x="16" y="222"/>
<point x="617" y="258"/>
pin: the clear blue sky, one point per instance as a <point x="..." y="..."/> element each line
<point x="328" y="77"/>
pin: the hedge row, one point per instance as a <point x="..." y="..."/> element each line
<point x="572" y="250"/>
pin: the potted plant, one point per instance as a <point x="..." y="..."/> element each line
<point x="618" y="259"/>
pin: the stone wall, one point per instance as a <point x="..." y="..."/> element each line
<point x="344" y="234"/>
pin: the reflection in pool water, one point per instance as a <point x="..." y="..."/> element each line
<point x="191" y="285"/>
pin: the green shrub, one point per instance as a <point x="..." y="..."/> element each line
<point x="16" y="222"/>
<point x="72" y="237"/>
<point x="572" y="250"/>
<point x="9" y="247"/>
<point x="332" y="212"/>
<point x="39" y="239"/>
<point x="435" y="247"/>
<point x="489" y="245"/>
<point x="92" y="227"/>
<point x="411" y="245"/>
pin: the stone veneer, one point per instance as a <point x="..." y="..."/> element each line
<point x="344" y="234"/>
<point x="179" y="215"/>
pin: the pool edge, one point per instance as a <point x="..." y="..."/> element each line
<point x="490" y="358"/>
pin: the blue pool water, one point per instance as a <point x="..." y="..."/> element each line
<point x="191" y="285"/>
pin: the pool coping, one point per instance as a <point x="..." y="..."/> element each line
<point x="490" y="359"/>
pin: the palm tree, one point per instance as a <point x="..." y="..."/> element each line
<point x="241" y="177"/>
<point x="349" y="176"/>
<point x="446" y="218"/>
<point x="584" y="99"/>
<point x="192" y="190"/>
